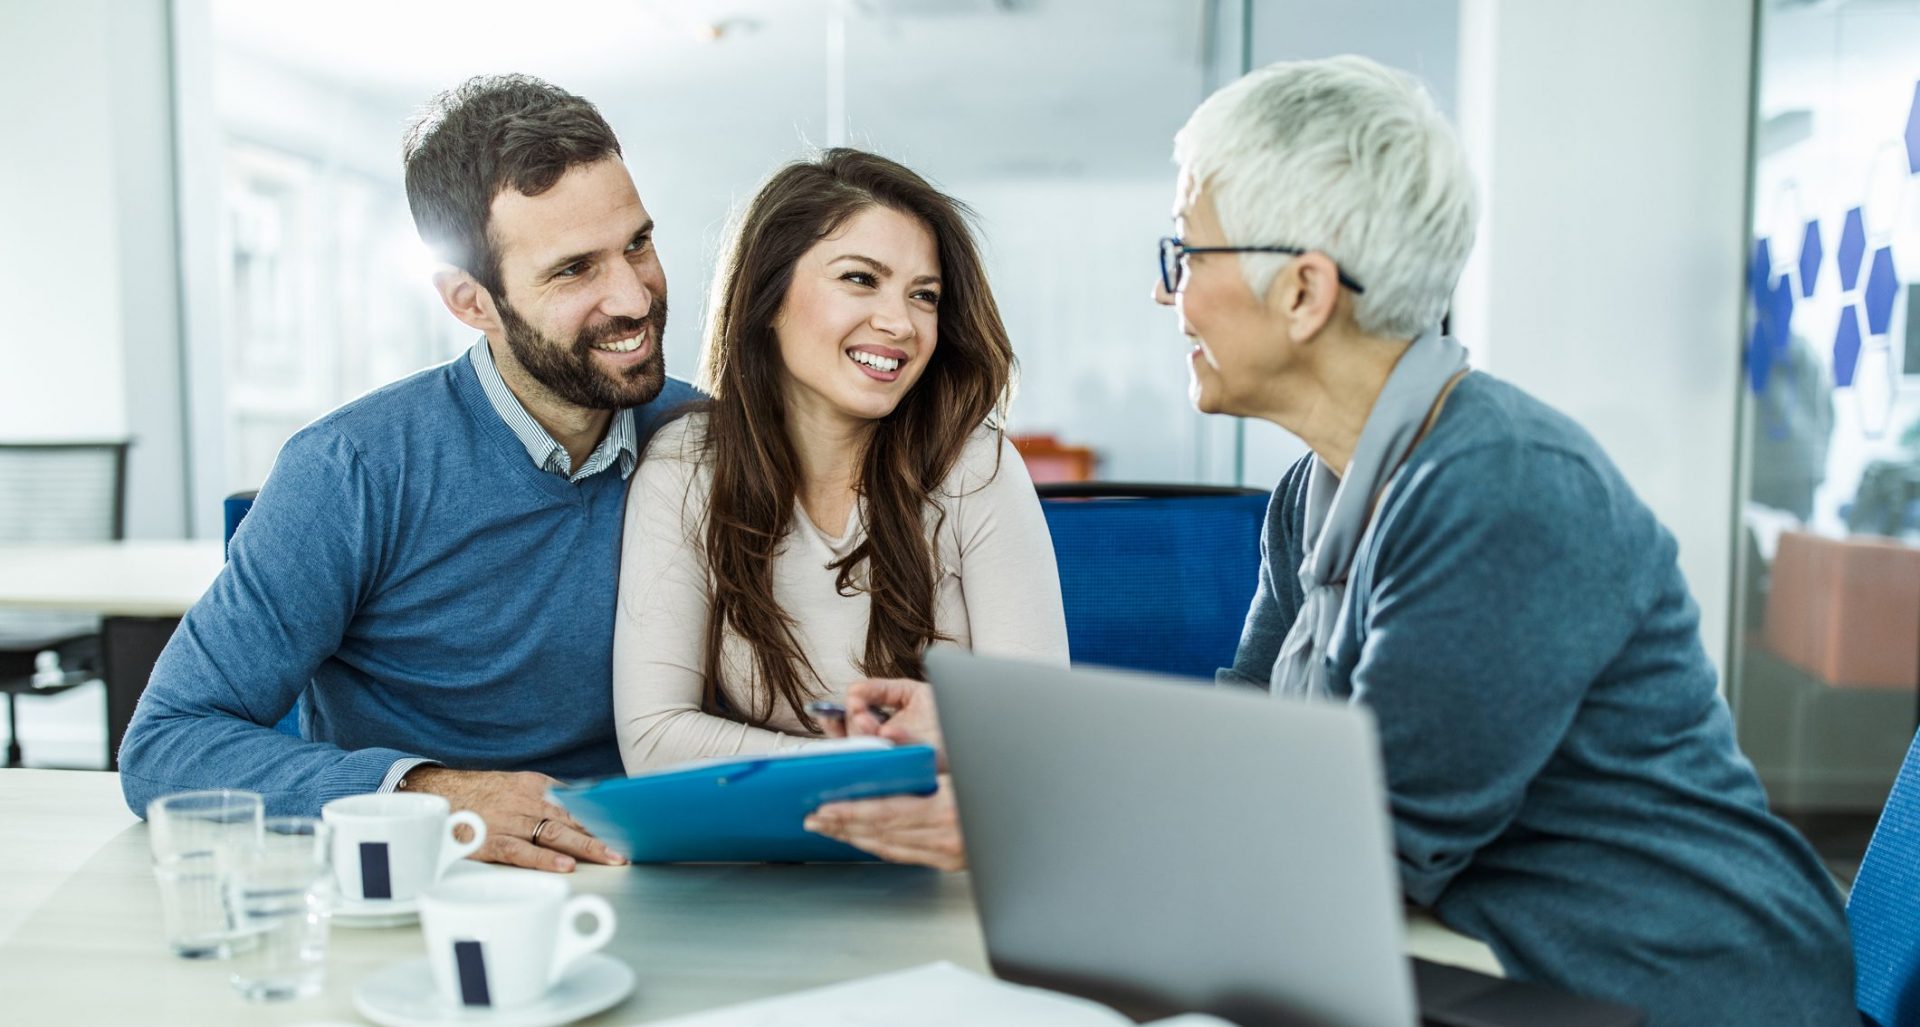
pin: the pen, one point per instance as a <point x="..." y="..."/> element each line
<point x="838" y="711"/>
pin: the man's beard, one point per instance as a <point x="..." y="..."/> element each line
<point x="568" y="372"/>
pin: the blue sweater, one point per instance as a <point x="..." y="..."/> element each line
<point x="1561" y="769"/>
<point x="430" y="591"/>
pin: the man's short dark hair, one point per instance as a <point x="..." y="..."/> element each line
<point x="483" y="136"/>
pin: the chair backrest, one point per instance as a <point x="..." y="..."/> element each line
<point x="54" y="492"/>
<point x="63" y="491"/>
<point x="1883" y="909"/>
<point x="235" y="508"/>
<point x="1155" y="577"/>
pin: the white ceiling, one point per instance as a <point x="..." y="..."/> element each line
<point x="962" y="88"/>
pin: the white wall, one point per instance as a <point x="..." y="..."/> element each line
<point x="87" y="272"/>
<point x="1611" y="143"/>
<point x="59" y="263"/>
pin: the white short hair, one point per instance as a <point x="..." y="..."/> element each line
<point x="1348" y="158"/>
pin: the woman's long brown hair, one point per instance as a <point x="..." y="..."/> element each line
<point x="756" y="474"/>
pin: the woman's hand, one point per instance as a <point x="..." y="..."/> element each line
<point x="920" y="829"/>
<point x="914" y="719"/>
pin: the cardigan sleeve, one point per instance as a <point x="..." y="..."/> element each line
<point x="1277" y="595"/>
<point x="1494" y="598"/>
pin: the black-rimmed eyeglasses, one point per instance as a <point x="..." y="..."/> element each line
<point x="1174" y="253"/>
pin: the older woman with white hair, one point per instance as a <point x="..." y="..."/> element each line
<point x="1468" y="563"/>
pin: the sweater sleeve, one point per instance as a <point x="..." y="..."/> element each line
<point x="1008" y="575"/>
<point x="298" y="568"/>
<point x="1276" y="596"/>
<point x="660" y="625"/>
<point x="1497" y="596"/>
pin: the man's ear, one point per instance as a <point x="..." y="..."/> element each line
<point x="1305" y="295"/>
<point x="467" y="300"/>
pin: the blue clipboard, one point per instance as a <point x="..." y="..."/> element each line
<point x="747" y="810"/>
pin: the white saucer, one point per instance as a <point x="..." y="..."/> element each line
<point x="376" y="912"/>
<point x="400" y="912"/>
<point x="403" y="995"/>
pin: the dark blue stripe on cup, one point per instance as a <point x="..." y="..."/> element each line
<point x="375" y="882"/>
<point x="473" y="974"/>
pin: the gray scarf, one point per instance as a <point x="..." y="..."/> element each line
<point x="1338" y="507"/>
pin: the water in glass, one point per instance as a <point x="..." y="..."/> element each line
<point x="280" y="893"/>
<point x="188" y="832"/>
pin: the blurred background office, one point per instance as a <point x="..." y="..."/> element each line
<point x="1699" y="222"/>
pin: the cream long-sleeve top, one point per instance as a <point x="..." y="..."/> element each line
<point x="998" y="593"/>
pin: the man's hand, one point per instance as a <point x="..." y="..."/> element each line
<point x="915" y="721"/>
<point x="513" y="804"/>
<point x="921" y="829"/>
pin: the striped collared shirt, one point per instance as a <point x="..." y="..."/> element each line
<point x="548" y="455"/>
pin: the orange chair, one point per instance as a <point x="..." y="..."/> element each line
<point x="1049" y="462"/>
<point x="1847" y="611"/>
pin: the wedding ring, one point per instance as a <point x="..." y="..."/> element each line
<point x="537" y="828"/>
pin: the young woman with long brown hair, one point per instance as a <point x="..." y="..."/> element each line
<point x="847" y="496"/>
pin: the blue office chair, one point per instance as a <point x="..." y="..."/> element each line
<point x="1155" y="577"/>
<point x="235" y="509"/>
<point x="1883" y="909"/>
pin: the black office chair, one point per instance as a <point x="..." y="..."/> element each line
<point x="55" y="492"/>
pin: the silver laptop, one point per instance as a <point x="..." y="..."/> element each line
<point x="1166" y="847"/>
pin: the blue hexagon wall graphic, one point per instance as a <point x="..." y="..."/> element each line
<point x="1846" y="348"/>
<point x="1853" y="246"/>
<point x="1760" y="272"/>
<point x="1913" y="132"/>
<point x="1810" y="254"/>
<point x="1776" y="316"/>
<point x="1759" y="359"/>
<point x="1881" y="287"/>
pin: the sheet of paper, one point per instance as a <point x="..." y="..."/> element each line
<point x="934" y="995"/>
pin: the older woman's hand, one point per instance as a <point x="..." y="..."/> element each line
<point x="920" y="829"/>
<point x="914" y="720"/>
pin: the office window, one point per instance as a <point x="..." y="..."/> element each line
<point x="1053" y="119"/>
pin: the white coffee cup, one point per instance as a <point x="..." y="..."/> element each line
<point x="504" y="939"/>
<point x="391" y="847"/>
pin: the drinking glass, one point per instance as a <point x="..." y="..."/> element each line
<point x="280" y="893"/>
<point x="188" y="832"/>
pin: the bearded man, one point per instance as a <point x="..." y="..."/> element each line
<point x="429" y="571"/>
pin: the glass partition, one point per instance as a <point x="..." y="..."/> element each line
<point x="1827" y="655"/>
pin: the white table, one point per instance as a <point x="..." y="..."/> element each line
<point x="117" y="579"/>
<point x="139" y="588"/>
<point x="81" y="939"/>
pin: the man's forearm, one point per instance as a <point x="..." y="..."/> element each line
<point x="184" y="739"/>
<point x="296" y="778"/>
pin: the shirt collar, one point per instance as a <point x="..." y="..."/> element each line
<point x="548" y="455"/>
